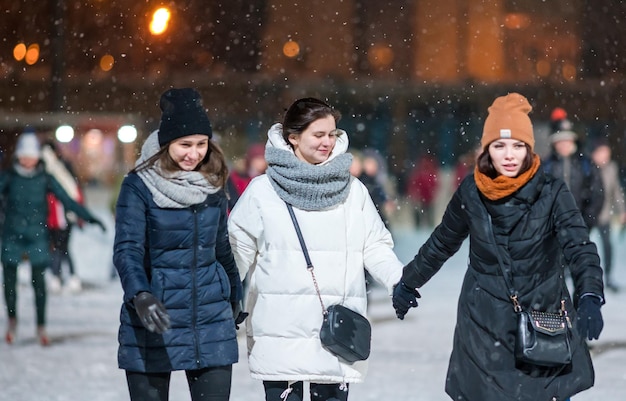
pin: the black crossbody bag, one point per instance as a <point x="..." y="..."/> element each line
<point x="542" y="338"/>
<point x="344" y="332"/>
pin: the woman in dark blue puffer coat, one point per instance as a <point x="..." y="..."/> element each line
<point x="181" y="286"/>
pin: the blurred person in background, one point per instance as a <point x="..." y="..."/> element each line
<point x="60" y="221"/>
<point x="518" y="219"/>
<point x="567" y="162"/>
<point x="25" y="235"/>
<point x="465" y="166"/>
<point x="374" y="165"/>
<point x="372" y="183"/>
<point x="182" y="292"/>
<point x="613" y="208"/>
<point x="344" y="234"/>
<point x="253" y="165"/>
<point x="421" y="189"/>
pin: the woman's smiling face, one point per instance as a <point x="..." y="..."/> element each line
<point x="189" y="151"/>
<point x="315" y="144"/>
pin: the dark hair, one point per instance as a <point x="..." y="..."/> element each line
<point x="485" y="166"/>
<point x="303" y="112"/>
<point x="213" y="166"/>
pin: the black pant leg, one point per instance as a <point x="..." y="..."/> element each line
<point x="274" y="390"/>
<point x="329" y="392"/>
<point x="210" y="384"/>
<point x="148" y="386"/>
<point x="9" y="272"/>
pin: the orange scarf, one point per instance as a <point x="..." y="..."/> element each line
<point x="502" y="186"/>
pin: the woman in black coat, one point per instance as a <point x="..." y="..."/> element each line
<point x="181" y="286"/>
<point x="511" y="207"/>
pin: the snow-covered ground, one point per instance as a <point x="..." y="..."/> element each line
<point x="408" y="361"/>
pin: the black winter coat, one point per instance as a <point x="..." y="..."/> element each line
<point x="183" y="257"/>
<point x="532" y="227"/>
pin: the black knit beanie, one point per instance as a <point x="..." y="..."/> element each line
<point x="182" y="115"/>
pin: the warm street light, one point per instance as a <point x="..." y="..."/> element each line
<point x="160" y="20"/>
<point x="32" y="54"/>
<point x="291" y="49"/>
<point x="19" y="51"/>
<point x="106" y="62"/>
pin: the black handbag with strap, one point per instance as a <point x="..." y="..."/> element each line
<point x="542" y="338"/>
<point x="344" y="332"/>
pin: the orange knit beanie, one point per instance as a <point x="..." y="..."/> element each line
<point x="508" y="119"/>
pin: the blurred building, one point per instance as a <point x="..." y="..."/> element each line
<point x="410" y="76"/>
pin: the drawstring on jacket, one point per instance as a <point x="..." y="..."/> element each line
<point x="286" y="393"/>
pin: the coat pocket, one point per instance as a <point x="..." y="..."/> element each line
<point x="224" y="281"/>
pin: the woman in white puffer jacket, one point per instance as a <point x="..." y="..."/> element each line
<point x="309" y="169"/>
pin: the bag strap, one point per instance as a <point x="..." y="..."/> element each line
<point x="507" y="278"/>
<point x="309" y="264"/>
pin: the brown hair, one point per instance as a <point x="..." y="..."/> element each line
<point x="303" y="112"/>
<point x="485" y="166"/>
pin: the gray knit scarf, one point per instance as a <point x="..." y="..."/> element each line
<point x="179" y="189"/>
<point x="308" y="186"/>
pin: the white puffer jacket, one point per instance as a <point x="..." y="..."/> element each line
<point x="285" y="312"/>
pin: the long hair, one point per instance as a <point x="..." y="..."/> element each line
<point x="485" y="165"/>
<point x="303" y="112"/>
<point x="213" y="167"/>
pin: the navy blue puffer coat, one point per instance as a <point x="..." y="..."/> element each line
<point x="183" y="257"/>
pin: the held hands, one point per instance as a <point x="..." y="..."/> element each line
<point x="589" y="318"/>
<point x="238" y="314"/>
<point x="404" y="298"/>
<point x="152" y="313"/>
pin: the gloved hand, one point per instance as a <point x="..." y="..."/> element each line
<point x="590" y="322"/>
<point x="152" y="313"/>
<point x="404" y="298"/>
<point x="238" y="314"/>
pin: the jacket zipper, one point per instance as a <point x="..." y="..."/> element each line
<point x="194" y="293"/>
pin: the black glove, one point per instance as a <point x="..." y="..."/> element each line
<point x="589" y="318"/>
<point x="404" y="298"/>
<point x="152" y="313"/>
<point x="238" y="314"/>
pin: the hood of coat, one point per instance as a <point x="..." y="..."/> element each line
<point x="275" y="140"/>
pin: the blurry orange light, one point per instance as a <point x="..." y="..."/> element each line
<point x="291" y="49"/>
<point x="569" y="72"/>
<point x="32" y="54"/>
<point x="19" y="51"/>
<point x="106" y="62"/>
<point x="516" y="21"/>
<point x="380" y="55"/>
<point x="160" y="20"/>
<point x="543" y="68"/>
